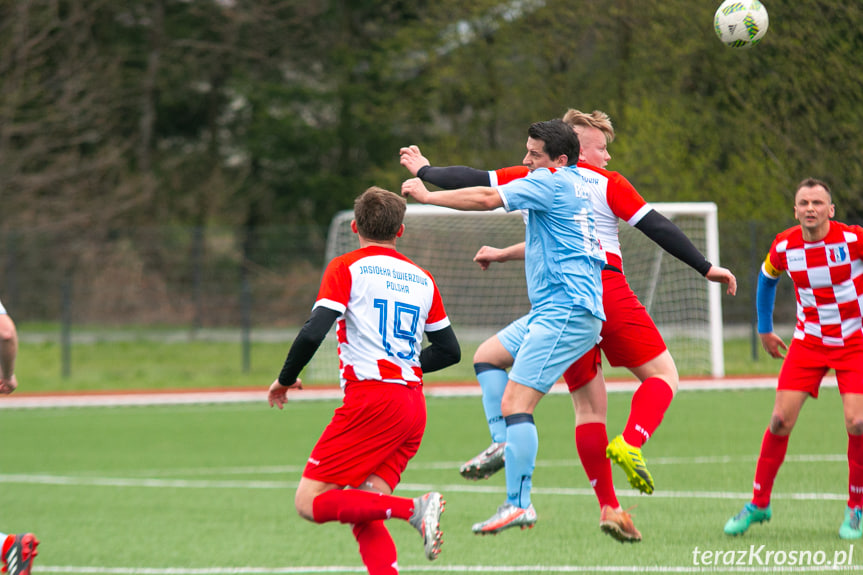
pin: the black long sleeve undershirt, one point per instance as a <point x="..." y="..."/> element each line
<point x="307" y="342"/>
<point x="443" y="351"/>
<point x="453" y="177"/>
<point x="670" y="238"/>
<point x="654" y="225"/>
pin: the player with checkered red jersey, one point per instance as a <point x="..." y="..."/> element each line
<point x="824" y="259"/>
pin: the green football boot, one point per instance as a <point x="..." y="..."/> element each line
<point x="851" y="527"/>
<point x="750" y="514"/>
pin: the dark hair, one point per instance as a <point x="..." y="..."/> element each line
<point x="379" y="213"/>
<point x="811" y="183"/>
<point x="558" y="139"/>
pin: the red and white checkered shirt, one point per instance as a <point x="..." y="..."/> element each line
<point x="828" y="280"/>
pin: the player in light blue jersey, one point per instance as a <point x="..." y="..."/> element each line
<point x="563" y="264"/>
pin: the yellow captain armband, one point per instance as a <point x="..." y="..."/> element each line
<point x="769" y="270"/>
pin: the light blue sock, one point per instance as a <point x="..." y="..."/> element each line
<point x="522" y="444"/>
<point x="492" y="381"/>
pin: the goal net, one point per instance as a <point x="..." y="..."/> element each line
<point x="685" y="307"/>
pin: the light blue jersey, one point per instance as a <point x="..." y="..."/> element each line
<point x="563" y="258"/>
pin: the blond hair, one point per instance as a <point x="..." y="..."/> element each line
<point x="595" y="119"/>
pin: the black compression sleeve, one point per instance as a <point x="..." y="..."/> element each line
<point x="669" y="237"/>
<point x="442" y="352"/>
<point x="307" y="343"/>
<point x="454" y="177"/>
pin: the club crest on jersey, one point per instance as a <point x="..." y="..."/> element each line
<point x="837" y="254"/>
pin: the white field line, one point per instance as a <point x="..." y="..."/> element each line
<point x="66" y="480"/>
<point x="46" y="479"/>
<point x="433" y="390"/>
<point x="179" y="397"/>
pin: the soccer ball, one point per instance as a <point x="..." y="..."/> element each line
<point x="741" y="23"/>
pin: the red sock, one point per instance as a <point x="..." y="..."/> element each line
<point x="591" y="439"/>
<point x="773" y="448"/>
<point x="355" y="506"/>
<point x="855" y="471"/>
<point x="649" y="404"/>
<point x="376" y="548"/>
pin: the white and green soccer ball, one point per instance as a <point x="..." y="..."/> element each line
<point x="741" y="23"/>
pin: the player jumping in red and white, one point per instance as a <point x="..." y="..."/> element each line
<point x="629" y="336"/>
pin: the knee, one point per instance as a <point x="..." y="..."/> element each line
<point x="507" y="406"/>
<point x="488" y="358"/>
<point x="479" y="356"/>
<point x="673" y="381"/>
<point x="303" y="502"/>
<point x="586" y="411"/>
<point x="854" y="425"/>
<point x="780" y="425"/>
<point x="511" y="405"/>
<point x="670" y="376"/>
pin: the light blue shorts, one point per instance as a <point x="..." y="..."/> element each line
<point x="547" y="341"/>
<point x="512" y="335"/>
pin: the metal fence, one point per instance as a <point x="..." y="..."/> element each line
<point x="263" y="278"/>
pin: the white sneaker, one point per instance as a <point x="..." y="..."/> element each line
<point x="508" y="515"/>
<point x="426" y="520"/>
<point x="485" y="464"/>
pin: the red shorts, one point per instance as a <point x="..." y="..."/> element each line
<point x="806" y="364"/>
<point x="629" y="336"/>
<point x="377" y="430"/>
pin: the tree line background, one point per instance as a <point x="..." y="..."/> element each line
<point x="266" y="117"/>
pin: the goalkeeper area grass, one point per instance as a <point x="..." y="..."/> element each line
<point x="208" y="490"/>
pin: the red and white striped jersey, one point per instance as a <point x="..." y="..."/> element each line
<point x="828" y="281"/>
<point x="387" y="302"/>
<point x="613" y="199"/>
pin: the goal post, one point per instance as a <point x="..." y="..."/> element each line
<point x="700" y="222"/>
<point x="685" y="306"/>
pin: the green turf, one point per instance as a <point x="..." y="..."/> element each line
<point x="161" y="359"/>
<point x="211" y="487"/>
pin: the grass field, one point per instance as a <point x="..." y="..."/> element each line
<point x="152" y="359"/>
<point x="208" y="490"/>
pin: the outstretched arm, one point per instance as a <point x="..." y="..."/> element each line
<point x="670" y="238"/>
<point x="477" y="198"/>
<point x="487" y="255"/>
<point x="448" y="178"/>
<point x="723" y="276"/>
<point x="302" y="350"/>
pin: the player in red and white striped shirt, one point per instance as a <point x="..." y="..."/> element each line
<point x="824" y="259"/>
<point x="383" y="304"/>
<point x="629" y="336"/>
